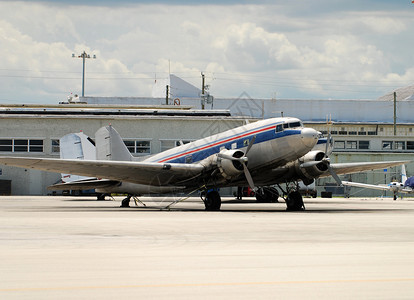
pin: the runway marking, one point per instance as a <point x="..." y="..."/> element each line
<point x="206" y="284"/>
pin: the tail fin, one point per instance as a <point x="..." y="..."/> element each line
<point x="76" y="146"/>
<point x="403" y="175"/>
<point x="110" y="146"/>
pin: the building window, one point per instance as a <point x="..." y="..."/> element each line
<point x="167" y="144"/>
<point x="21" y="145"/>
<point x="352" y="133"/>
<point x="35" y="145"/>
<point x="372" y="133"/>
<point x="399" y="145"/>
<point x="55" y="146"/>
<point x="351" y="144"/>
<point x="387" y="145"/>
<point x="363" y="145"/>
<point x="181" y="142"/>
<point x="339" y="145"/>
<point x="410" y="145"/>
<point x="6" y="145"/>
<point x="138" y="146"/>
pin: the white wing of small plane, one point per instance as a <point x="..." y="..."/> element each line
<point x="366" y="186"/>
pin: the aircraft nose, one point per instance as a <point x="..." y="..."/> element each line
<point x="309" y="137"/>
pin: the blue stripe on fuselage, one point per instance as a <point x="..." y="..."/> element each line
<point x="204" y="153"/>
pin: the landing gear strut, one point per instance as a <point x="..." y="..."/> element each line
<point x="100" y="197"/>
<point x="212" y="201"/>
<point x="267" y="194"/>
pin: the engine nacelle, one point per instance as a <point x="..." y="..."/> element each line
<point x="230" y="168"/>
<point x="307" y="174"/>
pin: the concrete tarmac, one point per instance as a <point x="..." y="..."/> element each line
<point x="80" y="248"/>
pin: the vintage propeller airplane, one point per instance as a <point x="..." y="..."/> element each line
<point x="260" y="154"/>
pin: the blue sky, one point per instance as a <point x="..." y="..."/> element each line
<point x="283" y="49"/>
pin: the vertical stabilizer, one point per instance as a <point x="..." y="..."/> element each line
<point x="110" y="146"/>
<point x="76" y="146"/>
<point x="403" y="174"/>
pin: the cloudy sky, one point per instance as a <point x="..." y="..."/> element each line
<point x="328" y="49"/>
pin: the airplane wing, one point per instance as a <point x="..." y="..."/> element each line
<point x="131" y="171"/>
<point x="366" y="186"/>
<point x="84" y="184"/>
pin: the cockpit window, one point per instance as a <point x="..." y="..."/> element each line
<point x="279" y="128"/>
<point x="295" y="124"/>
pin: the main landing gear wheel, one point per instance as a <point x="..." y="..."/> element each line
<point x="294" y="202"/>
<point x="267" y="195"/>
<point x="212" y="201"/>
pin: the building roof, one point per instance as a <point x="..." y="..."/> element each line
<point x="403" y="93"/>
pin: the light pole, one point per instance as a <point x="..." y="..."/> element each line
<point x="83" y="55"/>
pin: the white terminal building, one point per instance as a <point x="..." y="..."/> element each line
<point x="363" y="130"/>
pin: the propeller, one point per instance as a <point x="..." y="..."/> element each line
<point x="243" y="160"/>
<point x="326" y="161"/>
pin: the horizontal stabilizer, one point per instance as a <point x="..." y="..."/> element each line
<point x="84" y="185"/>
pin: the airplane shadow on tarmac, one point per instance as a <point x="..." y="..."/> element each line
<point x="226" y="207"/>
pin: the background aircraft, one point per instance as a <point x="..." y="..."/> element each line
<point x="260" y="154"/>
<point x="405" y="186"/>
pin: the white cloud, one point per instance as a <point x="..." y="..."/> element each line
<point x="255" y="48"/>
<point x="383" y="24"/>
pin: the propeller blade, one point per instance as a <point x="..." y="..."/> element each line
<point x="250" y="144"/>
<point x="248" y="176"/>
<point x="334" y="175"/>
<point x="327" y="144"/>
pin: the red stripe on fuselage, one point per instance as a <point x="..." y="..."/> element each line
<point x="218" y="143"/>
